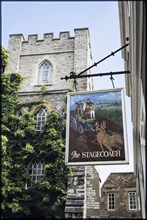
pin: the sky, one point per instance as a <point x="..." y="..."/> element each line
<point x="101" y="17"/>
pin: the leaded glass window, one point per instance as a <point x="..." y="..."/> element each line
<point x="41" y="119"/>
<point x="45" y="72"/>
<point x="132" y="201"/>
<point x="36" y="171"/>
<point x="111" y="201"/>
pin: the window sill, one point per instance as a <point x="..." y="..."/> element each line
<point x="39" y="85"/>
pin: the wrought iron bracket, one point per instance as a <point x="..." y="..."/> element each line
<point x="74" y="76"/>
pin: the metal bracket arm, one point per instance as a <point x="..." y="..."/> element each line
<point x="74" y="76"/>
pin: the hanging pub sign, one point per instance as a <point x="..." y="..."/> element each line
<point x="96" y="129"/>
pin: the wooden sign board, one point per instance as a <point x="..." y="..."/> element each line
<point x="96" y="128"/>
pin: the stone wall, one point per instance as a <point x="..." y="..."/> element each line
<point x="92" y="193"/>
<point x="94" y="205"/>
<point x="75" y="203"/>
<point x="83" y="199"/>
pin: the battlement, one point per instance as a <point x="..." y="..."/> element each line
<point x="17" y="35"/>
<point x="50" y="36"/>
<point x="49" y="44"/>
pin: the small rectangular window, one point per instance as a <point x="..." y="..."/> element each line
<point x="132" y="201"/>
<point x="111" y="201"/>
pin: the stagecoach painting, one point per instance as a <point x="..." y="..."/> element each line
<point x="96" y="132"/>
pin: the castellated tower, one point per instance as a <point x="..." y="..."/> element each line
<point x="42" y="64"/>
<point x="63" y="55"/>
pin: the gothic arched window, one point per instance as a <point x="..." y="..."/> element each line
<point x="41" y="118"/>
<point x="36" y="171"/>
<point x="45" y="72"/>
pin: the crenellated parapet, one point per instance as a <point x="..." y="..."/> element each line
<point x="62" y="35"/>
<point x="49" y="44"/>
<point x="47" y="37"/>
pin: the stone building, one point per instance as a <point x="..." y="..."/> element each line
<point x="132" y="18"/>
<point x="120" y="197"/>
<point x="43" y="63"/>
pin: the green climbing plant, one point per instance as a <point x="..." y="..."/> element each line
<point x="21" y="144"/>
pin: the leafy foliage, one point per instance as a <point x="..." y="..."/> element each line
<point x="4" y="58"/>
<point x="21" y="144"/>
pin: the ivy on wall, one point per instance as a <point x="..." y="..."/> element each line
<point x="4" y="59"/>
<point x="21" y="144"/>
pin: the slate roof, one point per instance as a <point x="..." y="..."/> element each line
<point x="120" y="180"/>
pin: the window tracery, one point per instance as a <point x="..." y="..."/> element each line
<point x="45" y="72"/>
<point x="41" y="119"/>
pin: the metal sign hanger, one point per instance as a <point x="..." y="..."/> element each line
<point x="74" y="76"/>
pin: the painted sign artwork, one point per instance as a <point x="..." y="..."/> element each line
<point x="96" y="132"/>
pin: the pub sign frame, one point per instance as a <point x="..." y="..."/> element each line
<point x="96" y="128"/>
